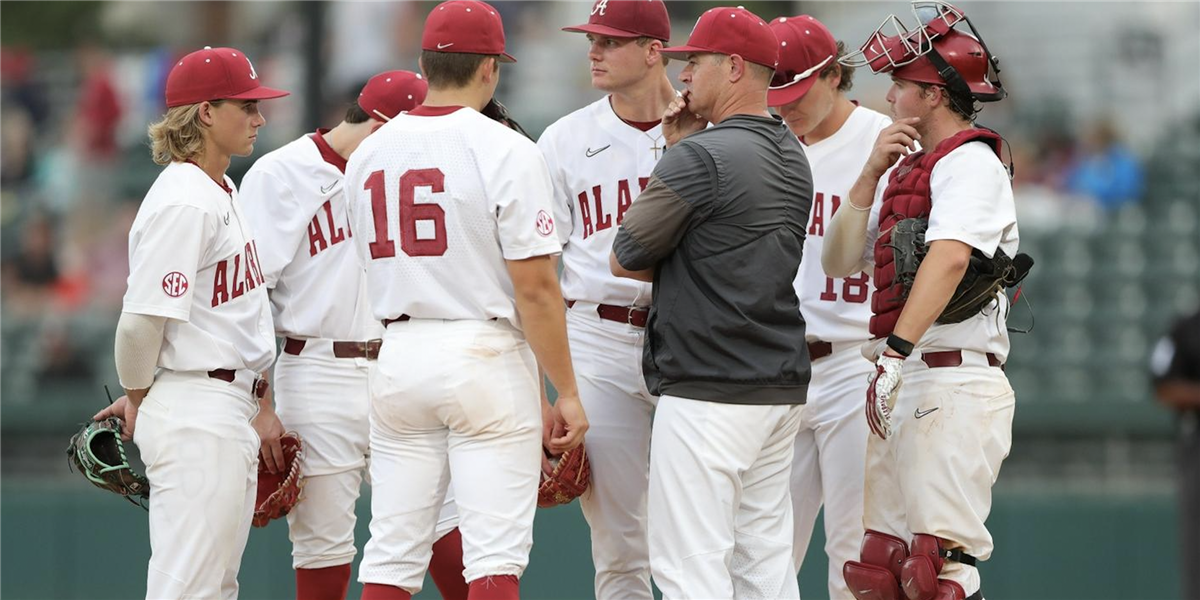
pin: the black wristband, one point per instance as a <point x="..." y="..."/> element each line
<point x="900" y="345"/>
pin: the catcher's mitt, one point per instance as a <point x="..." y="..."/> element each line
<point x="498" y="112"/>
<point x="570" y="479"/>
<point x="985" y="277"/>
<point x="98" y="453"/>
<point x="279" y="492"/>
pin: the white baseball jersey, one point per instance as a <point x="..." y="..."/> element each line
<point x="972" y="202"/>
<point x="192" y="259"/>
<point x="440" y="198"/>
<point x="294" y="199"/>
<point x="836" y="310"/>
<point x="599" y="165"/>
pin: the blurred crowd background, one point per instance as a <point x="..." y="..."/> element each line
<point x="1103" y="123"/>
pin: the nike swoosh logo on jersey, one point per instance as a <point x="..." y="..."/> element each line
<point x="440" y="46"/>
<point x="226" y="218"/>
<point x="924" y="413"/>
<point x="590" y="153"/>
<point x="326" y="189"/>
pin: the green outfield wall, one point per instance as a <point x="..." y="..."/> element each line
<point x="65" y="540"/>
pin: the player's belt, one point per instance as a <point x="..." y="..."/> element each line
<point x="368" y="349"/>
<point x="630" y="315"/>
<point x="819" y="349"/>
<point x="953" y="358"/>
<point x="228" y="375"/>
<point x="399" y="319"/>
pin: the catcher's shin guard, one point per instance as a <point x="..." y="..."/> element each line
<point x="919" y="573"/>
<point x="877" y="575"/>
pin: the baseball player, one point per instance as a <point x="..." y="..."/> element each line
<point x="720" y="231"/>
<point x="295" y="201"/>
<point x="195" y="330"/>
<point x="809" y="92"/>
<point x="455" y="226"/>
<point x="941" y="437"/>
<point x="600" y="158"/>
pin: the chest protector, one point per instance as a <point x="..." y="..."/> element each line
<point x="908" y="196"/>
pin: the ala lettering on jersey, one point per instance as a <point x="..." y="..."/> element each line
<point x="245" y="276"/>
<point x="816" y="222"/>
<point x="318" y="240"/>
<point x="599" y="220"/>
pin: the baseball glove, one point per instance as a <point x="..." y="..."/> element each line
<point x="97" y="452"/>
<point x="984" y="278"/>
<point x="569" y="480"/>
<point x="279" y="492"/>
<point x="498" y="112"/>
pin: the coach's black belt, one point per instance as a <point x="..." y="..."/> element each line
<point x="630" y="315"/>
<point x="368" y="349"/>
<point x="819" y="349"/>
<point x="228" y="375"/>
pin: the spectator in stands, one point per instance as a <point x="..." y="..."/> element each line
<point x="1106" y="170"/>
<point x="98" y="110"/>
<point x="30" y="274"/>
<point x="1175" y="365"/>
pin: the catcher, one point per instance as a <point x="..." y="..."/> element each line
<point x="938" y="228"/>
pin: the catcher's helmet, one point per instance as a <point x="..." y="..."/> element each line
<point x="933" y="53"/>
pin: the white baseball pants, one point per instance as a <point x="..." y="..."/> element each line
<point x="720" y="514"/>
<point x="453" y="403"/>
<point x="201" y="457"/>
<point x="952" y="428"/>
<point x="831" y="449"/>
<point x="608" y="368"/>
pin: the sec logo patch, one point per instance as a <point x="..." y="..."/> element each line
<point x="545" y="223"/>
<point x="174" y="284"/>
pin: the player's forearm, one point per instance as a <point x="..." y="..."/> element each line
<point x="614" y="265"/>
<point x="937" y="278"/>
<point x="138" y="342"/>
<point x="842" y="251"/>
<point x="543" y="315"/>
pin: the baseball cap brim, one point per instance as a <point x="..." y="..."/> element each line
<point x="505" y="57"/>
<point x="606" y="30"/>
<point x="261" y="92"/>
<point x="681" y="52"/>
<point x="787" y="94"/>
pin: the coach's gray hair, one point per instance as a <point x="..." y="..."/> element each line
<point x="178" y="136"/>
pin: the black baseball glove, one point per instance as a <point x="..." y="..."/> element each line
<point x="985" y="277"/>
<point x="97" y="452"/>
<point x="498" y="112"/>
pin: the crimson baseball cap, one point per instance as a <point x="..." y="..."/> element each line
<point x="465" y="27"/>
<point x="391" y="93"/>
<point x="805" y="48"/>
<point x="628" y="19"/>
<point x="216" y="74"/>
<point x="728" y="30"/>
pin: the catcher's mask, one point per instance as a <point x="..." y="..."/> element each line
<point x="933" y="53"/>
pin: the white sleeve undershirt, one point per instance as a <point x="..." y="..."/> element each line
<point x="139" y="340"/>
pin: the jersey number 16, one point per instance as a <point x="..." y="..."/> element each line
<point x="410" y="213"/>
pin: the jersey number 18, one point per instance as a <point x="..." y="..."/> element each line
<point x="410" y="213"/>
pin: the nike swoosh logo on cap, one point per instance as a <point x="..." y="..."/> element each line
<point x="590" y="153"/>
<point x="440" y="46"/>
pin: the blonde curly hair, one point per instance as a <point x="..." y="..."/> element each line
<point x="178" y="136"/>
